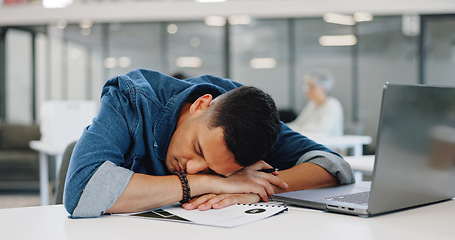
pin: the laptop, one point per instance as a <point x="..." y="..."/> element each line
<point x="414" y="160"/>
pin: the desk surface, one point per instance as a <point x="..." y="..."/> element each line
<point x="344" y="140"/>
<point x="52" y="222"/>
<point x="47" y="148"/>
<point x="363" y="163"/>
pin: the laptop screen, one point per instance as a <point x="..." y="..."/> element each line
<point x="415" y="158"/>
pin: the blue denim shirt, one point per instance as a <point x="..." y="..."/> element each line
<point x="133" y="129"/>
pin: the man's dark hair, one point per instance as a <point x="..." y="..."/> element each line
<point x="250" y="121"/>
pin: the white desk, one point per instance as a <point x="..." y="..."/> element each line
<point x="346" y="141"/>
<point x="44" y="152"/>
<point x="52" y="222"/>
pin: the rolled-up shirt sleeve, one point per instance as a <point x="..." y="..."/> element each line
<point x="97" y="173"/>
<point x="293" y="148"/>
<point x="110" y="181"/>
<point x="332" y="163"/>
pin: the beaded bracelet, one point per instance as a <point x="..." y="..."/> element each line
<point x="185" y="187"/>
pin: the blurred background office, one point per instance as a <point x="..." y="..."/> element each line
<point x="64" y="50"/>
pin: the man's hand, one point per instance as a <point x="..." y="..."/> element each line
<point x="249" y="180"/>
<point x="217" y="201"/>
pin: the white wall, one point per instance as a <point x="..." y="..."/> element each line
<point x="18" y="75"/>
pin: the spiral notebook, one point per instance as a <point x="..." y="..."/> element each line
<point x="231" y="216"/>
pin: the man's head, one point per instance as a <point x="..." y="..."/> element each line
<point x="250" y="122"/>
<point x="234" y="130"/>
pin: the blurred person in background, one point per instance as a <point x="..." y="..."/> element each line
<point x="322" y="114"/>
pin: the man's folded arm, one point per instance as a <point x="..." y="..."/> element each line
<point x="332" y="163"/>
<point x="304" y="157"/>
<point x="95" y="178"/>
<point x="109" y="181"/>
<point x="316" y="169"/>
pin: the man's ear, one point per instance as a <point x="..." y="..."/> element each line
<point x="201" y="103"/>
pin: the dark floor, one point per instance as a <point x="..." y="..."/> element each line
<point x="19" y="183"/>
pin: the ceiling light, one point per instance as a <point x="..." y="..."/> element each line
<point x="239" y="20"/>
<point x="61" y="24"/>
<point x="124" y="62"/>
<point x="338" y="19"/>
<point x="86" y="23"/>
<point x="188" y="62"/>
<point x="262" y="63"/>
<point x="56" y="3"/>
<point x="363" y="16"/>
<point x="172" y="28"/>
<point x="110" y="62"/>
<point x="217" y="21"/>
<point x="338" y="40"/>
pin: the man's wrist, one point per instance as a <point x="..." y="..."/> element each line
<point x="202" y="184"/>
<point x="186" y="189"/>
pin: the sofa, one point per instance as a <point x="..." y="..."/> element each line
<point x="19" y="165"/>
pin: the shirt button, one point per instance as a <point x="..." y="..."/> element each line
<point x="155" y="144"/>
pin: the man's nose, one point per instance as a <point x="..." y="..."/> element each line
<point x="195" y="165"/>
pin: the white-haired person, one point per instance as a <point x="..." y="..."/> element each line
<point x="322" y="114"/>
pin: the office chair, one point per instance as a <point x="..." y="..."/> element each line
<point x="62" y="172"/>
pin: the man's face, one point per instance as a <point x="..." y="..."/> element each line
<point x="196" y="148"/>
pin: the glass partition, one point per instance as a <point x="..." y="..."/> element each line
<point x="260" y="57"/>
<point x="84" y="51"/>
<point x="74" y="61"/>
<point x="439" y="50"/>
<point x="131" y="46"/>
<point x="385" y="54"/>
<point x="194" y="48"/>
<point x="312" y="55"/>
<point x="19" y="90"/>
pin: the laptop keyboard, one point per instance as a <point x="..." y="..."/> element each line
<point x="357" y="198"/>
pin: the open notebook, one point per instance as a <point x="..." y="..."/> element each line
<point x="231" y="216"/>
